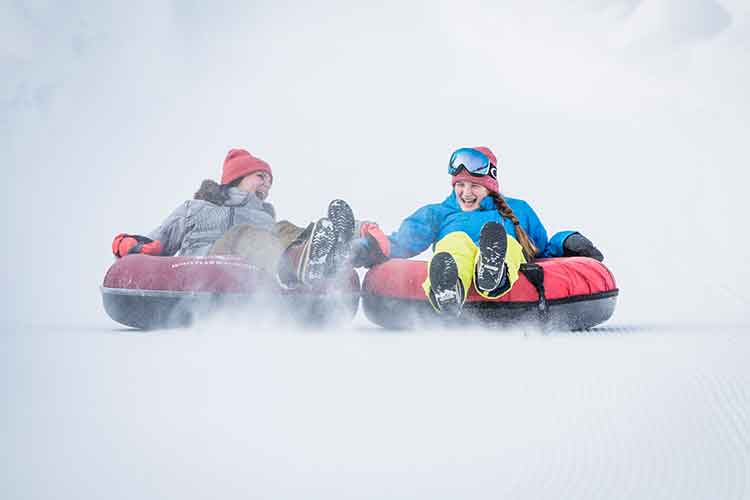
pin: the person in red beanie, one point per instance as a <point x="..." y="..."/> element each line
<point x="234" y="218"/>
<point x="480" y="237"/>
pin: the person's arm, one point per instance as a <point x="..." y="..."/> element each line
<point x="416" y="233"/>
<point x="534" y="228"/>
<point x="164" y="240"/>
<point x="172" y="231"/>
<point x="556" y="246"/>
<point x="562" y="244"/>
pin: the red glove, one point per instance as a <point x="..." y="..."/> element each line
<point x="376" y="237"/>
<point x="125" y="244"/>
<point x="372" y="247"/>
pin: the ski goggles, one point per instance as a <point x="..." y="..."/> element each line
<point x="475" y="162"/>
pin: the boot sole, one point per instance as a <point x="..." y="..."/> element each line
<point x="493" y="244"/>
<point x="314" y="259"/>
<point x="444" y="284"/>
<point x="341" y="216"/>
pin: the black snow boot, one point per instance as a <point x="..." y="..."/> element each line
<point x="342" y="218"/>
<point x="313" y="261"/>
<point x="446" y="290"/>
<point x="490" y="269"/>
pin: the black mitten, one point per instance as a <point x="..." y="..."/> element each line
<point x="578" y="245"/>
<point x="366" y="252"/>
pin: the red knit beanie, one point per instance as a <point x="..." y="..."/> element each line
<point x="240" y="163"/>
<point x="487" y="181"/>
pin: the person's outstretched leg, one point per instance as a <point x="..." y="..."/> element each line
<point x="341" y="216"/>
<point x="260" y="247"/>
<point x="454" y="251"/>
<point x="490" y="267"/>
<point x="497" y="263"/>
<point x="305" y="259"/>
<point x="446" y="293"/>
<point x="288" y="233"/>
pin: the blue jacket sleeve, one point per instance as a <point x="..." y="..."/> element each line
<point x="416" y="233"/>
<point x="535" y="229"/>
<point x="556" y="243"/>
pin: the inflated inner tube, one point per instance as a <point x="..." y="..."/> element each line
<point x="577" y="293"/>
<point x="144" y="291"/>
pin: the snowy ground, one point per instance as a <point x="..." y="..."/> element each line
<point x="216" y="412"/>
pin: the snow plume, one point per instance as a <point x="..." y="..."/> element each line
<point x="623" y="119"/>
<point x="292" y="310"/>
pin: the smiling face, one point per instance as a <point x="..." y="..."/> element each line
<point x="258" y="183"/>
<point x="469" y="195"/>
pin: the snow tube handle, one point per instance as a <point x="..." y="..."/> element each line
<point x="535" y="274"/>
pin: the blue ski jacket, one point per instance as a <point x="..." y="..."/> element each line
<point x="431" y="223"/>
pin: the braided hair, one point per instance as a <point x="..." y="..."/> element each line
<point x="505" y="211"/>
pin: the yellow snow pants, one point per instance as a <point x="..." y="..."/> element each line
<point x="466" y="254"/>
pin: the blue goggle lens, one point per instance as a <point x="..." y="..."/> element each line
<point x="475" y="162"/>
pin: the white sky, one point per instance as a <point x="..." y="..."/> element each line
<point x="626" y="120"/>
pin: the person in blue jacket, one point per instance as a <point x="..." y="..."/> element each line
<point x="479" y="236"/>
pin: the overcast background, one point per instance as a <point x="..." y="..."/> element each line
<point x="627" y="120"/>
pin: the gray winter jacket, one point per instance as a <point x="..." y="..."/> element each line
<point x="196" y="224"/>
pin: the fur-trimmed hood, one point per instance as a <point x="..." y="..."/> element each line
<point x="223" y="195"/>
<point x="212" y="192"/>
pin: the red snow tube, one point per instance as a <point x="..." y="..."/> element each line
<point x="146" y="292"/>
<point x="577" y="293"/>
